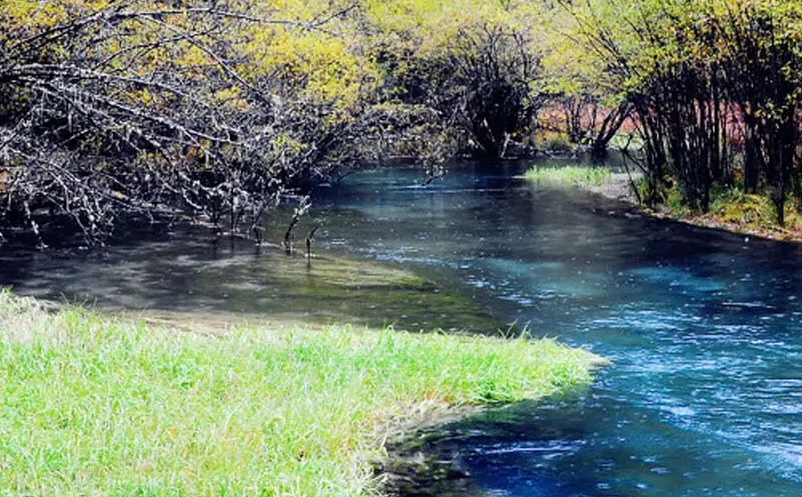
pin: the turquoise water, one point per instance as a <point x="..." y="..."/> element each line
<point x="704" y="328"/>
<point x="704" y="397"/>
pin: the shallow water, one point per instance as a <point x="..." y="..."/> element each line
<point x="704" y="328"/>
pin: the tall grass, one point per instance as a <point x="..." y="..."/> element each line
<point x="94" y="406"/>
<point x="569" y="176"/>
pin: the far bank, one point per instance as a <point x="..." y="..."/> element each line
<point x="730" y="210"/>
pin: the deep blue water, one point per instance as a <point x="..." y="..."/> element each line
<point x="704" y="328"/>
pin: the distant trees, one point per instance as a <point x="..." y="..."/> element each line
<point x="591" y="121"/>
<point x="489" y="86"/>
<point x="715" y="86"/>
<point x="476" y="64"/>
<point x="217" y="109"/>
<point x="584" y="98"/>
<point x="491" y="71"/>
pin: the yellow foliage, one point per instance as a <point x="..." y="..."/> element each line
<point x="32" y="15"/>
<point x="232" y="97"/>
<point x="317" y="65"/>
<point x="431" y="24"/>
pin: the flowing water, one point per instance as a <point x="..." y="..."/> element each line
<point x="704" y="397"/>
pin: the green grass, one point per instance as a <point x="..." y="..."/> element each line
<point x="569" y="176"/>
<point x="91" y="405"/>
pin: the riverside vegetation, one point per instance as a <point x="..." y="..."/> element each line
<point x="715" y="91"/>
<point x="219" y="111"/>
<point x="214" y="113"/>
<point x="731" y="209"/>
<point x="569" y="176"/>
<point x="93" y="405"/>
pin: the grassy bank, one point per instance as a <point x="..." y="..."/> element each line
<point x="94" y="406"/>
<point x="733" y="210"/>
<point x="579" y="176"/>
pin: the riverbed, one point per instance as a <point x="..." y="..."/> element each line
<point x="704" y="328"/>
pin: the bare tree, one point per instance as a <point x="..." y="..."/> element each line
<point x="143" y="111"/>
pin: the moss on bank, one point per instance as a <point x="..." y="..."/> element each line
<point x="91" y="405"/>
<point x="732" y="210"/>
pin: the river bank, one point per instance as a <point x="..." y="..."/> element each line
<point x="96" y="405"/>
<point x="749" y="215"/>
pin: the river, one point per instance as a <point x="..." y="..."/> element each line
<point x="704" y="328"/>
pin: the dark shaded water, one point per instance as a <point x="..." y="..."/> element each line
<point x="704" y="328"/>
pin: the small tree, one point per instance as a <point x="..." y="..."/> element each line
<point x="493" y="71"/>
<point x="476" y="64"/>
